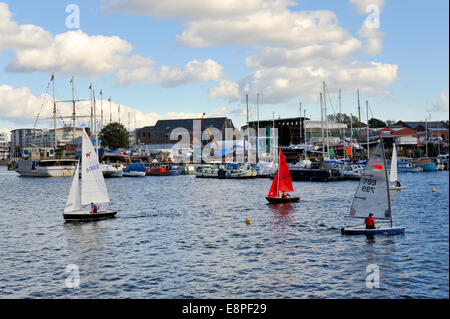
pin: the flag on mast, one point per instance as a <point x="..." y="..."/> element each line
<point x="53" y="76"/>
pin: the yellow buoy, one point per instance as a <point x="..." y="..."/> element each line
<point x="248" y="221"/>
<point x="433" y="189"/>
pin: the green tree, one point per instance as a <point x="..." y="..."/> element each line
<point x="114" y="136"/>
<point x="345" y="119"/>
<point x="374" y="123"/>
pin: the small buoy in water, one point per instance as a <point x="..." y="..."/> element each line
<point x="248" y="221"/>
<point x="433" y="189"/>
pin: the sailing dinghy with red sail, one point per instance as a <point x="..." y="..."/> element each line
<point x="282" y="182"/>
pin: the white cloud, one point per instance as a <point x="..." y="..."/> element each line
<point x="75" y="52"/>
<point x="182" y="9"/>
<point x="296" y="50"/>
<point x="362" y="5"/>
<point x="225" y="89"/>
<point x="441" y="104"/>
<point x="194" y="71"/>
<point x="20" y="106"/>
<point x="269" y="26"/>
<point x="19" y="36"/>
<point x="137" y="69"/>
<point x="223" y="111"/>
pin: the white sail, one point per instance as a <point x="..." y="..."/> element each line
<point x="372" y="195"/>
<point x="93" y="187"/>
<point x="74" y="200"/>
<point x="393" y="176"/>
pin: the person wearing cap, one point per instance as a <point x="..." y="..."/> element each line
<point x="94" y="208"/>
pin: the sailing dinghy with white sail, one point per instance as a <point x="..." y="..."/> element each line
<point x="372" y="197"/>
<point x="393" y="176"/>
<point x="93" y="188"/>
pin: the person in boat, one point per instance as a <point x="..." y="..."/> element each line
<point x="285" y="195"/>
<point x="370" y="222"/>
<point x="397" y="183"/>
<point x="94" y="208"/>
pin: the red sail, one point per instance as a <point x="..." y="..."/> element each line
<point x="285" y="181"/>
<point x="273" y="190"/>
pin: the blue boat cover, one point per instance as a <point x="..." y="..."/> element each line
<point x="135" y="167"/>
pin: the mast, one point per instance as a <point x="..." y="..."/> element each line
<point x="278" y="174"/>
<point x="321" y="126"/>
<point x="119" y="113"/>
<point x="304" y="130"/>
<point x="95" y="123"/>
<point x="92" y="111"/>
<point x="367" y="116"/>
<point x="273" y="136"/>
<point x="387" y="179"/>
<point x="257" y="129"/>
<point x="299" y="125"/>
<point x="359" y="116"/>
<point x="326" y="119"/>
<point x="110" y="111"/>
<point x="73" y="108"/>
<point x="54" y="111"/>
<point x="340" y="113"/>
<point x="101" y="109"/>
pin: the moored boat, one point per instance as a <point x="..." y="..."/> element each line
<point x="134" y="170"/>
<point x="47" y="168"/>
<point x="157" y="171"/>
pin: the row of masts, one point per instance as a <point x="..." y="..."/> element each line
<point x="93" y="114"/>
<point x="324" y="121"/>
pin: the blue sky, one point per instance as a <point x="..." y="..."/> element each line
<point x="415" y="40"/>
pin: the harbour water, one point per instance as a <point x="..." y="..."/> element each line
<point x="182" y="237"/>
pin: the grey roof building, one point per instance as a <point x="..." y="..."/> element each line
<point x="160" y="132"/>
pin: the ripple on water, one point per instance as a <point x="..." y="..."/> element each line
<point x="181" y="237"/>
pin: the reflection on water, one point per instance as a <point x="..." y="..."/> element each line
<point x="182" y="237"/>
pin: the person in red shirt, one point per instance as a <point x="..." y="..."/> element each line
<point x="370" y="222"/>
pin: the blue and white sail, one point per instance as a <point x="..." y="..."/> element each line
<point x="93" y="187"/>
<point x="372" y="195"/>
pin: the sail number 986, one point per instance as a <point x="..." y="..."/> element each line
<point x="369" y="182"/>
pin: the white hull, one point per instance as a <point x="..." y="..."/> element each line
<point x="133" y="174"/>
<point x="397" y="187"/>
<point x="110" y="171"/>
<point x="59" y="171"/>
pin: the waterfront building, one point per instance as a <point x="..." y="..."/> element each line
<point x="159" y="134"/>
<point x="435" y="129"/>
<point x="4" y="146"/>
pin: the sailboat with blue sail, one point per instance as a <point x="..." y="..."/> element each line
<point x="373" y="197"/>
